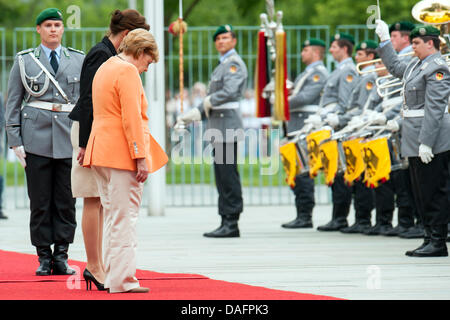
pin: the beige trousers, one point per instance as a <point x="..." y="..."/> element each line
<point x="121" y="196"/>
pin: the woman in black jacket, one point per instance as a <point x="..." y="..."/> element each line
<point x="83" y="182"/>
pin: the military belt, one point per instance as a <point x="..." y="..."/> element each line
<point x="307" y="108"/>
<point x="228" y="105"/>
<point x="56" y="107"/>
<point x="416" y="113"/>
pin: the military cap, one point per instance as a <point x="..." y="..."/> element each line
<point x="49" y="14"/>
<point x="366" y="44"/>
<point x="314" y="42"/>
<point x="343" y="36"/>
<point x="401" y="26"/>
<point x="421" y="31"/>
<point x="222" y="29"/>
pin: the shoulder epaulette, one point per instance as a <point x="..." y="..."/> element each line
<point x="439" y="61"/>
<point x="76" y="50"/>
<point x="25" y="51"/>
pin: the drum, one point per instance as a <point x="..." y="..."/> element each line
<point x="397" y="162"/>
<point x="313" y="141"/>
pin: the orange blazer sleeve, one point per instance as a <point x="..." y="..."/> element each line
<point x="130" y="92"/>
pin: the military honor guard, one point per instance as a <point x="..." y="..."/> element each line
<point x="425" y="127"/>
<point x="221" y="111"/>
<point x="365" y="84"/>
<point x="397" y="190"/>
<point x="337" y="91"/>
<point x="303" y="102"/>
<point x="42" y="89"/>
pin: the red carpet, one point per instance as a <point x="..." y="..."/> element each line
<point x="18" y="282"/>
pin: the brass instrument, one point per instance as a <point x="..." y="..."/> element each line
<point x="436" y="13"/>
<point x="358" y="66"/>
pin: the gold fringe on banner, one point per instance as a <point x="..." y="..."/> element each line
<point x="281" y="104"/>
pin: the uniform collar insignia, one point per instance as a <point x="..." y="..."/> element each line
<point x="66" y="52"/>
<point x="37" y="52"/>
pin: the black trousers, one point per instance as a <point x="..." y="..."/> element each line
<point x="52" y="206"/>
<point x="430" y="188"/>
<point x="342" y="196"/>
<point x="228" y="181"/>
<point x="397" y="190"/>
<point x="304" y="194"/>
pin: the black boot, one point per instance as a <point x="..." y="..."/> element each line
<point x="437" y="246"/>
<point x="60" y="256"/>
<point x="448" y="232"/>
<point x="339" y="218"/>
<point x="228" y="228"/>
<point x="45" y="259"/>
<point x="415" y="232"/>
<point x="378" y="229"/>
<point x="2" y="215"/>
<point x="303" y="220"/>
<point x="426" y="241"/>
<point x="395" y="231"/>
<point x="357" y="227"/>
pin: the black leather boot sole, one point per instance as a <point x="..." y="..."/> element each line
<point x="333" y="225"/>
<point x="431" y="250"/>
<point x="356" y="228"/>
<point x="298" y="223"/>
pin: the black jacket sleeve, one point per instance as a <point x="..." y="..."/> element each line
<point x="84" y="107"/>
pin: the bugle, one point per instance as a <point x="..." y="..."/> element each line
<point x="359" y="65"/>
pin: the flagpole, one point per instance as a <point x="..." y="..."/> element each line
<point x="180" y="20"/>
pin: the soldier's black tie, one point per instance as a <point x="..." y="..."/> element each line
<point x="54" y="61"/>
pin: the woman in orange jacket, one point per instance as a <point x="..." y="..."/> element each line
<point x="122" y="152"/>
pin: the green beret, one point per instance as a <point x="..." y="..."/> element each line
<point x="343" y="36"/>
<point x="366" y="44"/>
<point x="422" y="31"/>
<point x="49" y="14"/>
<point x="401" y="26"/>
<point x="222" y="29"/>
<point x="314" y="42"/>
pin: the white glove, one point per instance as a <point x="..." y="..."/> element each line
<point x="392" y="125"/>
<point x="179" y="125"/>
<point x="382" y="30"/>
<point x="188" y="117"/>
<point x="378" y="118"/>
<point x="356" y="121"/>
<point x="315" y="120"/>
<point x="425" y="153"/>
<point x="332" y="119"/>
<point x="20" y="154"/>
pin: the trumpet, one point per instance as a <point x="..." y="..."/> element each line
<point x="359" y="65"/>
<point x="384" y="83"/>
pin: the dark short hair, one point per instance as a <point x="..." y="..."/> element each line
<point x="345" y="43"/>
<point x="436" y="41"/>
<point x="128" y="19"/>
<point x="372" y="51"/>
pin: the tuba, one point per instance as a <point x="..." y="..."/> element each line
<point x="436" y="13"/>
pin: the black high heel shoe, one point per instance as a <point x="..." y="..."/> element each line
<point x="89" y="279"/>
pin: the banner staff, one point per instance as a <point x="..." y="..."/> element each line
<point x="180" y="21"/>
